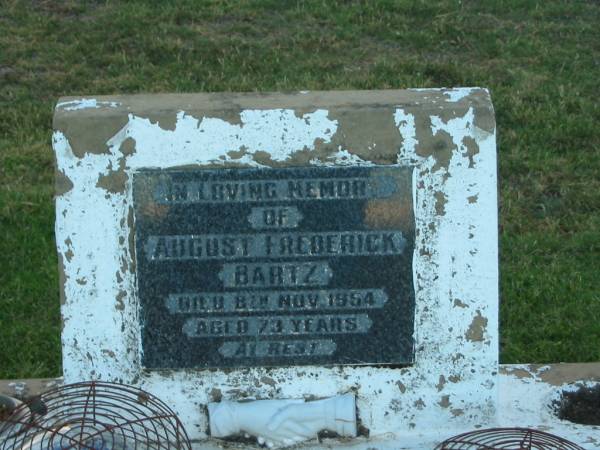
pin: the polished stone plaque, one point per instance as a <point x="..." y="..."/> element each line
<point x="272" y="267"/>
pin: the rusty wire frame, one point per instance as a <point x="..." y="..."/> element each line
<point x="507" y="439"/>
<point x="95" y="415"/>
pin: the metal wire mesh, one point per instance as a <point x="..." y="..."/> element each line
<point x="94" y="416"/>
<point x="507" y="439"/>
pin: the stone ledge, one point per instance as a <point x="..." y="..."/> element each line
<point x="526" y="393"/>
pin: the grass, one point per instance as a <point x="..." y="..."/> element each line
<point x="540" y="60"/>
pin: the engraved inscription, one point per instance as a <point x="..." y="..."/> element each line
<point x="273" y="274"/>
<point x="274" y="217"/>
<point x="251" y="267"/>
<point x="198" y="247"/>
<point x="277" y="326"/>
<point x="274" y="245"/>
<point x="282" y="301"/>
<point x="288" y="348"/>
<point x="211" y="191"/>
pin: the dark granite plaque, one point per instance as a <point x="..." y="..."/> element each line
<point x="272" y="267"/>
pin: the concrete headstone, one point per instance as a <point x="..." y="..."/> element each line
<point x="234" y="246"/>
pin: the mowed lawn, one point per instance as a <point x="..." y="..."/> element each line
<point x="540" y="60"/>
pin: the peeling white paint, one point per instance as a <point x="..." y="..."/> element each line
<point x="457" y="94"/>
<point x="406" y="127"/>
<point x="279" y="132"/>
<point x="88" y="242"/>
<point x="527" y="401"/>
<point x="86" y="103"/>
<point x="94" y="236"/>
<point x="341" y="158"/>
<point x="452" y="384"/>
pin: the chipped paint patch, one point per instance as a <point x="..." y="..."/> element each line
<point x="457" y="94"/>
<point x="440" y="201"/>
<point x="445" y="401"/>
<point x="477" y="329"/>
<point x="342" y="158"/>
<point x="460" y="304"/>
<point x="86" y="103"/>
<point x="406" y="127"/>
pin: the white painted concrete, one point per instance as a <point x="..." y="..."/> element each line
<point x="526" y="401"/>
<point x="85" y="103"/>
<point x="526" y="396"/>
<point x="453" y="383"/>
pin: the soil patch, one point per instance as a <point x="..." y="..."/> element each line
<point x="581" y="406"/>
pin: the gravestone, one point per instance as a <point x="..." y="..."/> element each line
<point x="235" y="246"/>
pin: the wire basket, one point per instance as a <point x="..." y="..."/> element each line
<point x="507" y="439"/>
<point x="95" y="416"/>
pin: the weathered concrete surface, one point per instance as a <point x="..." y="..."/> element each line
<point x="25" y="388"/>
<point x="447" y="136"/>
<point x="526" y="395"/>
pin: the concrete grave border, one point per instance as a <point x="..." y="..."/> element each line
<point x="526" y="392"/>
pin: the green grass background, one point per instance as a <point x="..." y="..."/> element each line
<point x="540" y="59"/>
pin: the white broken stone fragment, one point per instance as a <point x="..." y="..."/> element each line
<point x="278" y="423"/>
